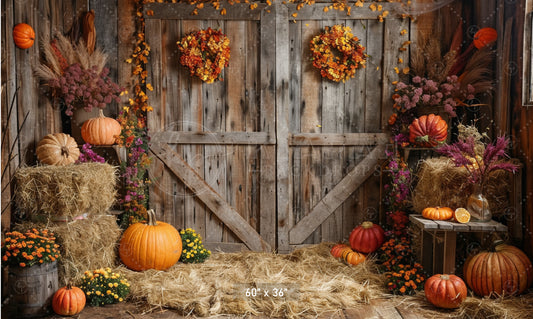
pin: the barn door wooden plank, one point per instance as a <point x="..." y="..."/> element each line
<point x="227" y="214"/>
<point x="284" y="205"/>
<point x="336" y="196"/>
<point x="267" y="196"/>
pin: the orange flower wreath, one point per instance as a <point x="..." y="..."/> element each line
<point x="206" y="53"/>
<point x="337" y="53"/>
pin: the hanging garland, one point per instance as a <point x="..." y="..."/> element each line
<point x="134" y="135"/>
<point x="205" y="53"/>
<point x="336" y="52"/>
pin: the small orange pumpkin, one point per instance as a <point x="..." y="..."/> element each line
<point x="68" y="301"/>
<point x="352" y="257"/>
<point x="337" y="250"/>
<point x="23" y="35"/>
<point x="485" y="37"/>
<point x="151" y="245"/>
<point x="58" y="149"/>
<point x="100" y="130"/>
<point x="437" y="213"/>
<point x="445" y="291"/>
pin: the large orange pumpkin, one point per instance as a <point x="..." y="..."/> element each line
<point x="68" y="301"/>
<point x="23" y="35"/>
<point x="428" y="131"/>
<point x="437" y="213"/>
<point x="100" y="130"/>
<point x="57" y="149"/>
<point x="367" y="237"/>
<point x="151" y="245"/>
<point x="485" y="37"/>
<point x="505" y="270"/>
<point x="445" y="291"/>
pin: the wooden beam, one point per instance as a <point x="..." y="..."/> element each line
<point x="336" y="196"/>
<point x="185" y="11"/>
<point x="338" y="139"/>
<point x="203" y="137"/>
<point x="209" y="197"/>
<point x="316" y="12"/>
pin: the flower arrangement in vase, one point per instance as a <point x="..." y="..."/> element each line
<point x="479" y="161"/>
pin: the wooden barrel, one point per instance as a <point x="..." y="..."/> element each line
<point x="31" y="289"/>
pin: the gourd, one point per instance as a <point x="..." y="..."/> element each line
<point x="23" y="35"/>
<point x="504" y="270"/>
<point x="352" y="257"/>
<point x="68" y="301"/>
<point x="445" y="291"/>
<point x="100" y="130"/>
<point x="151" y="245"/>
<point x="337" y="250"/>
<point x="437" y="213"/>
<point x="428" y="131"/>
<point x="57" y="149"/>
<point x="367" y="237"/>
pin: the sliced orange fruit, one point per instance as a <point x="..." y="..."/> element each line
<point x="461" y="215"/>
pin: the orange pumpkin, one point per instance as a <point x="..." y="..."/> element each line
<point x="337" y="250"/>
<point x="151" y="245"/>
<point x="428" y="131"/>
<point x="437" y="213"/>
<point x="367" y="237"/>
<point x="504" y="270"/>
<point x="68" y="301"/>
<point x="23" y="35"/>
<point x="445" y="291"/>
<point x="58" y="149"/>
<point x="100" y="130"/>
<point x="352" y="257"/>
<point x="485" y="37"/>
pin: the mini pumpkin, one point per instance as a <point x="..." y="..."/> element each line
<point x="100" y="130"/>
<point x="485" y="37"/>
<point x="23" y="35"/>
<point x="367" y="237"/>
<point x="445" y="291"/>
<point x="437" y="213"/>
<point x="57" y="149"/>
<point x="428" y="131"/>
<point x="503" y="270"/>
<point x="337" y="250"/>
<point x="68" y="301"/>
<point x="353" y="257"/>
<point x="151" y="245"/>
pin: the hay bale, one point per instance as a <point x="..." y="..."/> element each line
<point x="316" y="282"/>
<point x="56" y="191"/>
<point x="441" y="183"/>
<point x="86" y="244"/>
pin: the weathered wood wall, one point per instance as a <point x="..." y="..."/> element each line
<point x="33" y="115"/>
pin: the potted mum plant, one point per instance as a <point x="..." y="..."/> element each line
<point x="32" y="259"/>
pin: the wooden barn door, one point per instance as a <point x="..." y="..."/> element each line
<point x="272" y="157"/>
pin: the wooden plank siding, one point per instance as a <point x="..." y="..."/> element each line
<point x="274" y="139"/>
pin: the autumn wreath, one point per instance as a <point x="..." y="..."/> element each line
<point x="206" y="53"/>
<point x="337" y="53"/>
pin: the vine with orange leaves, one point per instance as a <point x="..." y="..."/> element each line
<point x="134" y="136"/>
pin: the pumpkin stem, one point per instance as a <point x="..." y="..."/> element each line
<point x="151" y="217"/>
<point x="444" y="277"/>
<point x="367" y="225"/>
<point x="64" y="151"/>
<point x="101" y="113"/>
